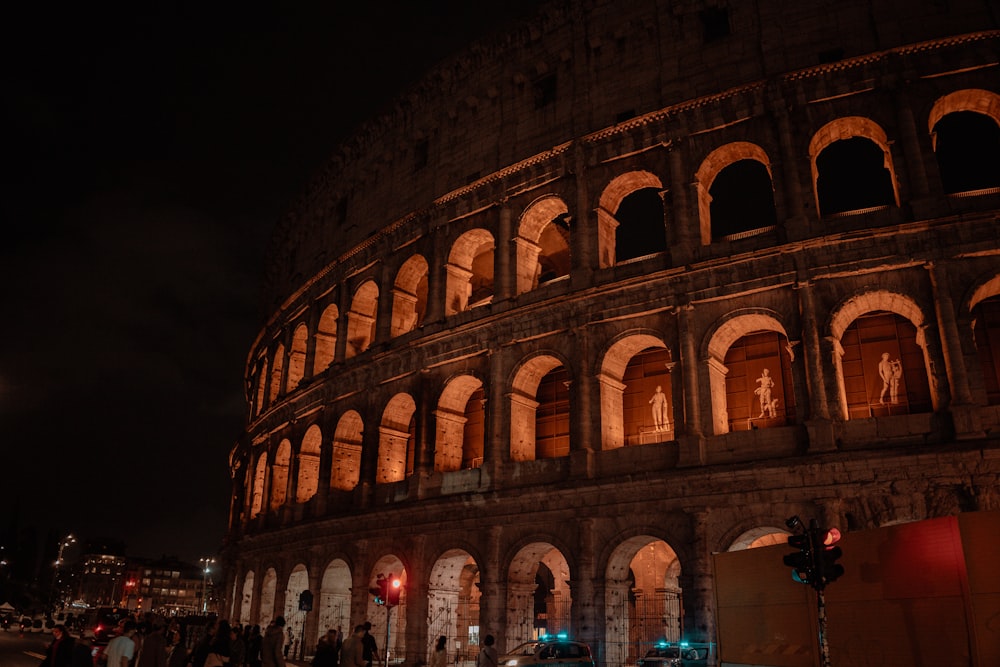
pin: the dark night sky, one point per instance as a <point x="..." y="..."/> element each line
<point x="148" y="150"/>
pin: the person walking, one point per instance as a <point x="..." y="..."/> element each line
<point x="272" y="653"/>
<point x="326" y="650"/>
<point x="121" y="649"/>
<point x="487" y="654"/>
<point x="60" y="651"/>
<point x="439" y="658"/>
<point x="371" y="647"/>
<point x="154" y="648"/>
<point x="352" y="653"/>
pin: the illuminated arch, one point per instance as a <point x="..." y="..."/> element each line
<point x="308" y="469"/>
<point x="346" y="468"/>
<point x="409" y="296"/>
<point x="850" y="127"/>
<point x="611" y="198"/>
<point x="719" y="342"/>
<point x="396" y="449"/>
<point x="613" y="387"/>
<point x="361" y="319"/>
<point x="711" y="166"/>
<point x="524" y="405"/>
<point x="538" y="583"/>
<point x="453" y="596"/>
<point x="279" y="474"/>
<point x="277" y="368"/>
<point x="297" y="357"/>
<point x="326" y="339"/>
<point x="456" y="446"/>
<point x="542" y="243"/>
<point x="469" y="280"/>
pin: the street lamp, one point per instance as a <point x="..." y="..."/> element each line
<point x="63" y="543"/>
<point x="206" y="564"/>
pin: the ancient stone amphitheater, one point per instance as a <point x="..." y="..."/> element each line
<point x="619" y="287"/>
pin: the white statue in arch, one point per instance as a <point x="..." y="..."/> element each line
<point x="768" y="405"/>
<point x="890" y="371"/>
<point x="659" y="403"/>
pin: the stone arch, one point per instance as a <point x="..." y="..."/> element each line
<point x="260" y="475"/>
<point x="469" y="281"/>
<point x="713" y="164"/>
<point x="642" y="598"/>
<point x="542" y="243"/>
<point x="965" y="141"/>
<point x="326" y="339"/>
<point x="865" y="303"/>
<point x="611" y="198"/>
<point x="279" y="474"/>
<point x="361" y="318"/>
<point x="335" y="597"/>
<point x="277" y="368"/>
<point x="759" y="536"/>
<point x="388" y="565"/>
<point x="297" y="357"/>
<point x="262" y="378"/>
<point x="453" y="596"/>
<point x="409" y="296"/>
<point x="538" y="592"/>
<point x="268" y="593"/>
<point x="246" y="598"/>
<point x="397" y="440"/>
<point x="345" y="471"/>
<point x="841" y="129"/>
<point x="717" y="346"/>
<point x="308" y="469"/>
<point x="298" y="581"/>
<point x="455" y="448"/>
<point x="971" y="99"/>
<point x="612" y="386"/>
<point x="524" y="404"/>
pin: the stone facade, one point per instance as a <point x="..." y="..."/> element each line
<point x="784" y="216"/>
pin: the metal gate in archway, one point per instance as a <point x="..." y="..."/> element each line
<point x="459" y="622"/>
<point x="642" y="621"/>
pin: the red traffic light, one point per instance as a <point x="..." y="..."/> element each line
<point x="395" y="588"/>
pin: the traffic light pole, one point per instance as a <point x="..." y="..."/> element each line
<point x="824" y="648"/>
<point x="388" y="615"/>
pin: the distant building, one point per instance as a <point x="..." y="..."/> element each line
<point x="101" y="575"/>
<point x="166" y="586"/>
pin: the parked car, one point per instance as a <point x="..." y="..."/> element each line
<point x="675" y="654"/>
<point x="550" y="650"/>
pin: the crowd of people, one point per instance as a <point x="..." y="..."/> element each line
<point x="155" y="642"/>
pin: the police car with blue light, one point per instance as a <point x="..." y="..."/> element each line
<point x="675" y="654"/>
<point x="557" y="650"/>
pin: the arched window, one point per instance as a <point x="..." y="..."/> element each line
<point x="279" y="475"/>
<point x="345" y="471"/>
<point x="986" y="318"/>
<point x="742" y="201"/>
<point x="647" y="400"/>
<point x="967" y="146"/>
<point x="308" y="475"/>
<point x="326" y="339"/>
<point x="361" y="318"/>
<point x="542" y="244"/>
<point x="552" y="415"/>
<point x="297" y="357"/>
<point x="759" y="382"/>
<point x="409" y="296"/>
<point x="641" y="230"/>
<point x="277" y="366"/>
<point x="397" y="440"/>
<point x="852" y="177"/>
<point x="460" y="437"/>
<point x="883" y="366"/>
<point x="469" y="281"/>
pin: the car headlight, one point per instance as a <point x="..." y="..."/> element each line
<point x="511" y="663"/>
